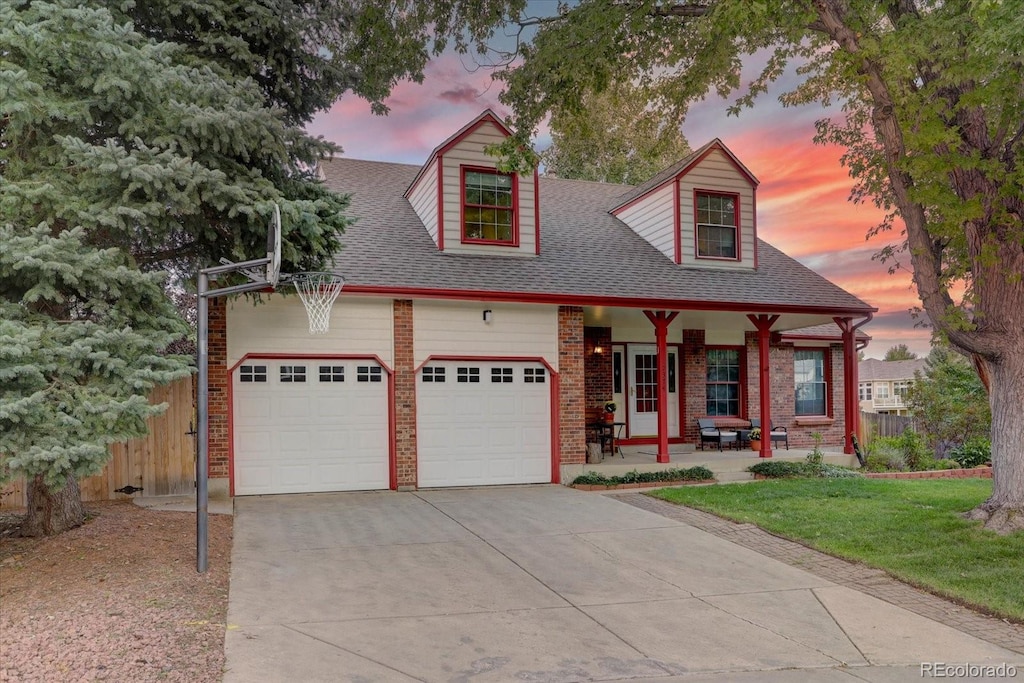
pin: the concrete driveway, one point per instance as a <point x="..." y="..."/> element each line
<point x="543" y="583"/>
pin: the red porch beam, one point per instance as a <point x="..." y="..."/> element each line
<point x="763" y="323"/>
<point x="850" y="380"/>
<point x="661" y="320"/>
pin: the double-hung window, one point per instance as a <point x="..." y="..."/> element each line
<point x="722" y="387"/>
<point x="717" y="225"/>
<point x="488" y="206"/>
<point x="811" y="384"/>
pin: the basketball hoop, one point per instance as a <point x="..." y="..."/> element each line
<point x="318" y="292"/>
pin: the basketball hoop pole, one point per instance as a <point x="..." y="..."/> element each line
<point x="203" y="403"/>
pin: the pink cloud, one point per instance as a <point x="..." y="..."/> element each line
<point x="463" y="95"/>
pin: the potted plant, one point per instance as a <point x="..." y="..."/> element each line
<point x="609" y="411"/>
<point x="755" y="439"/>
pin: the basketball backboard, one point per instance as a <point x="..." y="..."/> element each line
<point x="274" y="247"/>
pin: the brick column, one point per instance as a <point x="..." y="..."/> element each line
<point x="695" y="382"/>
<point x="404" y="378"/>
<point x="572" y="390"/>
<point x="217" y="346"/>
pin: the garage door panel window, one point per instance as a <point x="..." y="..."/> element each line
<point x="332" y="373"/>
<point x="433" y="375"/>
<point x="501" y="375"/>
<point x="252" y="373"/>
<point x="369" y="373"/>
<point x="468" y="375"/>
<point x="293" y="373"/>
<point x="534" y="375"/>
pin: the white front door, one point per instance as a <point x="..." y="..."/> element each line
<point x="643" y="391"/>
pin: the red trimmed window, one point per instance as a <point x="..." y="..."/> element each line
<point x="488" y="206"/>
<point x="811" y="378"/>
<point x="722" y="387"/>
<point x="718" y="218"/>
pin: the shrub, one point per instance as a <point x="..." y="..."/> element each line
<point x="915" y="452"/>
<point x="778" y="468"/>
<point x="974" y="453"/>
<point x="837" y="472"/>
<point x="698" y="473"/>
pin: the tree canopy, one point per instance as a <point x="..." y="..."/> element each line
<point x="614" y="138"/>
<point x="899" y="352"/>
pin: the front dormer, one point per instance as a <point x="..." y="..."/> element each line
<point x="700" y="212"/>
<point x="468" y="205"/>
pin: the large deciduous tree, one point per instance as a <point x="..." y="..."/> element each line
<point x="932" y="119"/>
<point x="616" y="137"/>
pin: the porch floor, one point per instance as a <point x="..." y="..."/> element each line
<point x="728" y="465"/>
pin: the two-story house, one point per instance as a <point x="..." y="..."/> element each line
<point x="485" y="314"/>
<point x="882" y="385"/>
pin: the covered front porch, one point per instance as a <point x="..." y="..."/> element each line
<point x="728" y="465"/>
<point x="663" y="370"/>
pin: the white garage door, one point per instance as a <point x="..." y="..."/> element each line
<point x="483" y="423"/>
<point x="310" y="425"/>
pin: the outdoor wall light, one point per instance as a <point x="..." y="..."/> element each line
<point x="488" y="316"/>
<point x="598" y="350"/>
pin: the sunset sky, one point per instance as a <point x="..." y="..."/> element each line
<point x="802" y="201"/>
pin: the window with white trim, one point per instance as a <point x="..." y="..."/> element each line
<point x="717" y="225"/>
<point x="865" y="391"/>
<point x="433" y="375"/>
<point x="501" y="375"/>
<point x="252" y="373"/>
<point x="488" y="207"/>
<point x="369" y="373"/>
<point x="332" y="373"/>
<point x="293" y="373"/>
<point x="809" y="376"/>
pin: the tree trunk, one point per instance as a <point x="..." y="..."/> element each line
<point x="1004" y="511"/>
<point x="52" y="512"/>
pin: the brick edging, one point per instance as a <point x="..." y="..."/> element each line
<point x="983" y="472"/>
<point x="860" y="577"/>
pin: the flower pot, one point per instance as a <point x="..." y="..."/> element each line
<point x="755" y="444"/>
<point x="609" y="417"/>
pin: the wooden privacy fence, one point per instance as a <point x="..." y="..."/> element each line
<point x="876" y="424"/>
<point x="162" y="463"/>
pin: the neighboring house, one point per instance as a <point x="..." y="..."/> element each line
<point x="486" y="316"/>
<point x="883" y="385"/>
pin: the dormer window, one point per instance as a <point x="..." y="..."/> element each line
<point x="717" y="220"/>
<point x="489" y="200"/>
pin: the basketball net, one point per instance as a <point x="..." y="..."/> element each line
<point x="318" y="292"/>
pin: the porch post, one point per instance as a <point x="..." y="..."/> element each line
<point x="764" y="323"/>
<point x="661" y="321"/>
<point x="852" y="407"/>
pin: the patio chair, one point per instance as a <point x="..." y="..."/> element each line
<point x="713" y="434"/>
<point x="778" y="434"/>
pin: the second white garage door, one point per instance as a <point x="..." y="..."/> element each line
<point x="303" y="425"/>
<point x="483" y="423"/>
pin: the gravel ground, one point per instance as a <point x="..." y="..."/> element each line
<point x="117" y="599"/>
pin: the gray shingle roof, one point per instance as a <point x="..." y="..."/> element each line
<point x="585" y="252"/>
<point x="872" y="368"/>
<point x="830" y="330"/>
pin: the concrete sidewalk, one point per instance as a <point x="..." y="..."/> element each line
<point x="544" y="584"/>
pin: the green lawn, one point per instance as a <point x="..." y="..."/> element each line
<point x="909" y="528"/>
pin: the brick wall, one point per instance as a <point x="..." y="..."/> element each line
<point x="694" y="379"/>
<point x="572" y="385"/>
<point x="217" y="348"/>
<point x="405" y="395"/>
<point x="598" y="367"/>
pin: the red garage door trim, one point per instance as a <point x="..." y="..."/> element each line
<point x="556" y="450"/>
<point x="392" y="460"/>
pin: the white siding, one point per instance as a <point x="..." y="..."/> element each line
<point x="443" y="328"/>
<point x="424" y="200"/>
<point x="280" y="325"/>
<point x="470" y="152"/>
<point x="653" y="218"/>
<point x="717" y="174"/>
